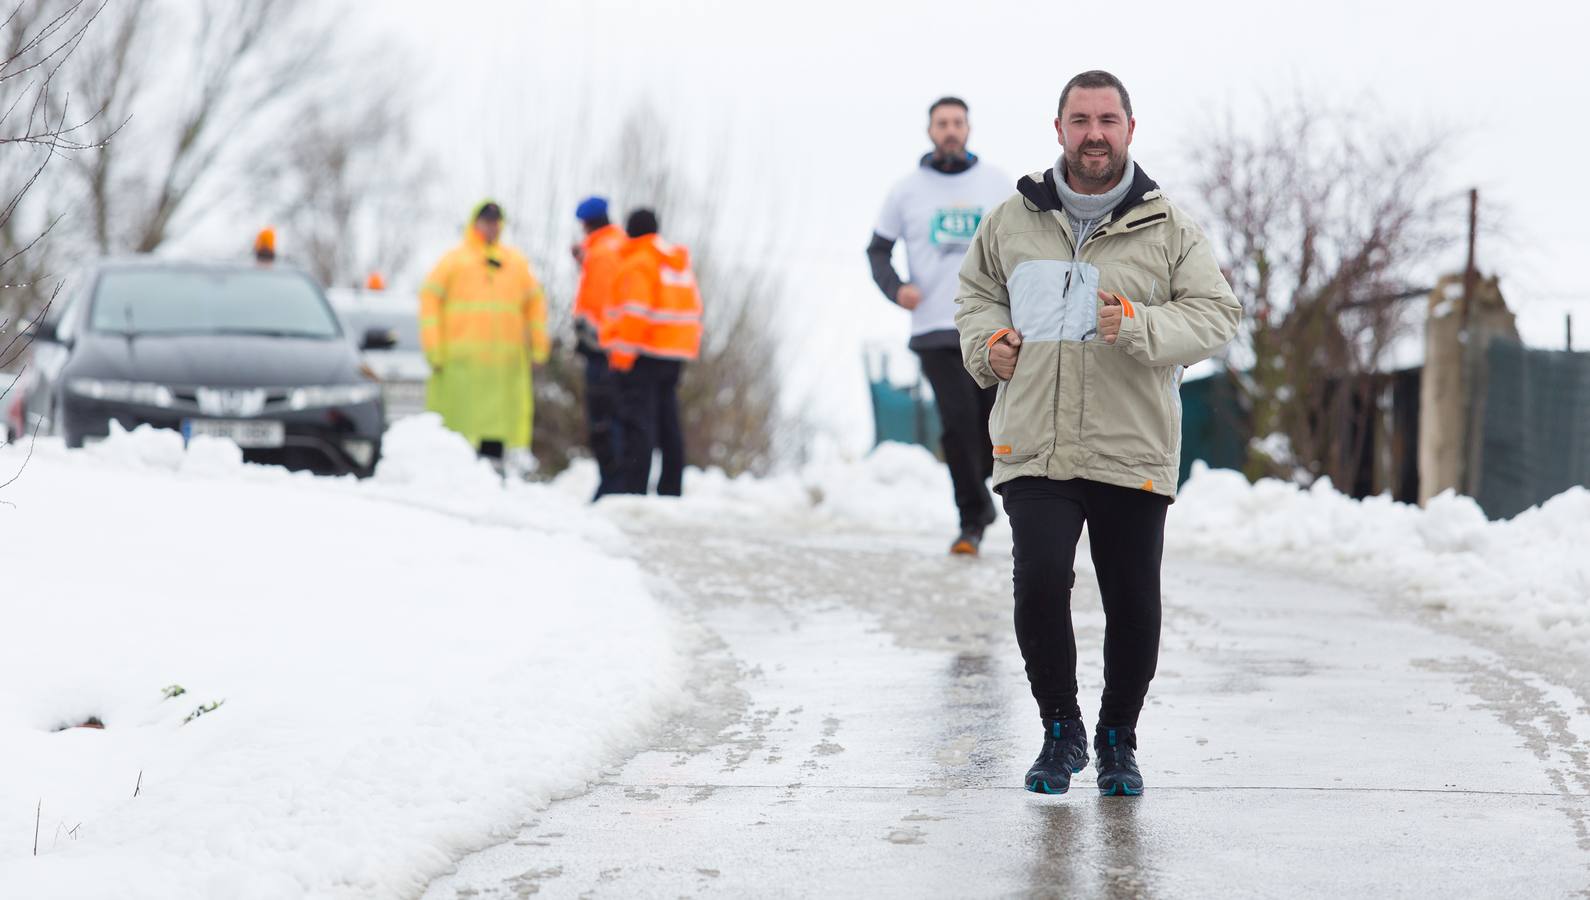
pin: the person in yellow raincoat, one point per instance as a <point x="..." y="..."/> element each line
<point x="483" y="323"/>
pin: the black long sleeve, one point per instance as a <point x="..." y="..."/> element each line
<point x="878" y="253"/>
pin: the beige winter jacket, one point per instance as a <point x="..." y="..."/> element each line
<point x="1078" y="407"/>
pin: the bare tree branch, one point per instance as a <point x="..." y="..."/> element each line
<point x="1321" y="232"/>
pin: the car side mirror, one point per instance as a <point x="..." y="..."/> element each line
<point x="45" y="331"/>
<point x="379" y="339"/>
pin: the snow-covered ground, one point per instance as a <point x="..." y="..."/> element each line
<point x="412" y="665"/>
<point x="406" y="668"/>
<point x="1529" y="575"/>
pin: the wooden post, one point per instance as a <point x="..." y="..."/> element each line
<point x="1442" y="404"/>
<point x="1468" y="270"/>
<point x="1468" y="478"/>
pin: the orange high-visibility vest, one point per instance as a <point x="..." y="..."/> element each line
<point x="656" y="307"/>
<point x="601" y="261"/>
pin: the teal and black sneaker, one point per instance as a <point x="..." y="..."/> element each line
<point x="1065" y="753"/>
<point x="1117" y="763"/>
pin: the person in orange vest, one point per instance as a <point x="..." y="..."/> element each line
<point x="265" y="246"/>
<point x="483" y="323"/>
<point x="598" y="255"/>
<point x="652" y="329"/>
<point x="375" y="282"/>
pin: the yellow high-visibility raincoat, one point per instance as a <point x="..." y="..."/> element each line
<point x="483" y="322"/>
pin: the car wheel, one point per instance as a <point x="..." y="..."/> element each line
<point x="57" y="425"/>
<point x="375" y="461"/>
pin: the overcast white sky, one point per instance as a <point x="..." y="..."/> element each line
<point x="824" y="103"/>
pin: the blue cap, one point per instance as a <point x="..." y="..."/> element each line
<point x="591" y="208"/>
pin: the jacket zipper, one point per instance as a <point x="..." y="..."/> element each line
<point x="1082" y="389"/>
<point x="1065" y="295"/>
<point x="1082" y="400"/>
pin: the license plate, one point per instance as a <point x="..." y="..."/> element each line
<point x="403" y="397"/>
<point x="249" y="434"/>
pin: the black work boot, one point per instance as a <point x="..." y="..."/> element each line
<point x="1117" y="762"/>
<point x="970" y="541"/>
<point x="1064" y="753"/>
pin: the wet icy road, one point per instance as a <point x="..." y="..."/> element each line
<point x="861" y="724"/>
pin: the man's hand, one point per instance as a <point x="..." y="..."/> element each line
<point x="1109" y="317"/>
<point x="577" y="250"/>
<point x="910" y="296"/>
<point x="1002" y="356"/>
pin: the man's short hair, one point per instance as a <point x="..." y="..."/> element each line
<point x="947" y="101"/>
<point x="641" y="223"/>
<point x="1095" y="78"/>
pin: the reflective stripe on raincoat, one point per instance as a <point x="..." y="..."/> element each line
<point x="483" y="321"/>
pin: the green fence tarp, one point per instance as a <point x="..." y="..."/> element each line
<point x="1536" y="431"/>
<point x="904" y="414"/>
<point x="1213" y="426"/>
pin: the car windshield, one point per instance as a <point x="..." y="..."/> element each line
<point x="210" y="301"/>
<point x="405" y="325"/>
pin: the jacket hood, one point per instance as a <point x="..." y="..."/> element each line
<point x="470" y="235"/>
<point x="474" y="211"/>
<point x="1040" y="192"/>
<point x="673" y="256"/>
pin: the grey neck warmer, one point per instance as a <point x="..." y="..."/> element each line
<point x="1086" y="211"/>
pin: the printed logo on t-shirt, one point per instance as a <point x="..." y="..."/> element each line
<point x="955" y="225"/>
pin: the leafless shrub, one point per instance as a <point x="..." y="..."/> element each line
<point x="266" y="105"/>
<point x="40" y="124"/>
<point x="349" y="187"/>
<point x="1324" y="219"/>
<point x="212" y="109"/>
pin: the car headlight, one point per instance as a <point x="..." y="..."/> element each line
<point x="122" y="391"/>
<point x="316" y="396"/>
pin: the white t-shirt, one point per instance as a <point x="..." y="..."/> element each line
<point x="936" y="215"/>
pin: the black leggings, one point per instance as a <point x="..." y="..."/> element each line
<point x="963" y="416"/>
<point x="1126" y="533"/>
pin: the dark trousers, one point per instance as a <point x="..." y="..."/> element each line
<point x="649" y="420"/>
<point x="963" y="413"/>
<point x="601" y="415"/>
<point x="1126" y="533"/>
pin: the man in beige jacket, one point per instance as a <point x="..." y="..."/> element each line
<point x="1082" y="297"/>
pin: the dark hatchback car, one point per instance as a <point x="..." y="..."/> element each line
<point x="251" y="354"/>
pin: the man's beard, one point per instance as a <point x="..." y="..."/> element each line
<point x="949" y="150"/>
<point x="1077" y="166"/>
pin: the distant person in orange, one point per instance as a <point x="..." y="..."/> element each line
<point x="375" y="282"/>
<point x="598" y="255"/>
<point x="483" y="323"/>
<point x="265" y="246"/>
<point x="652" y="330"/>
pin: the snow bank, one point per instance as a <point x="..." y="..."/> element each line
<point x="1530" y="574"/>
<point x="405" y="668"/>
